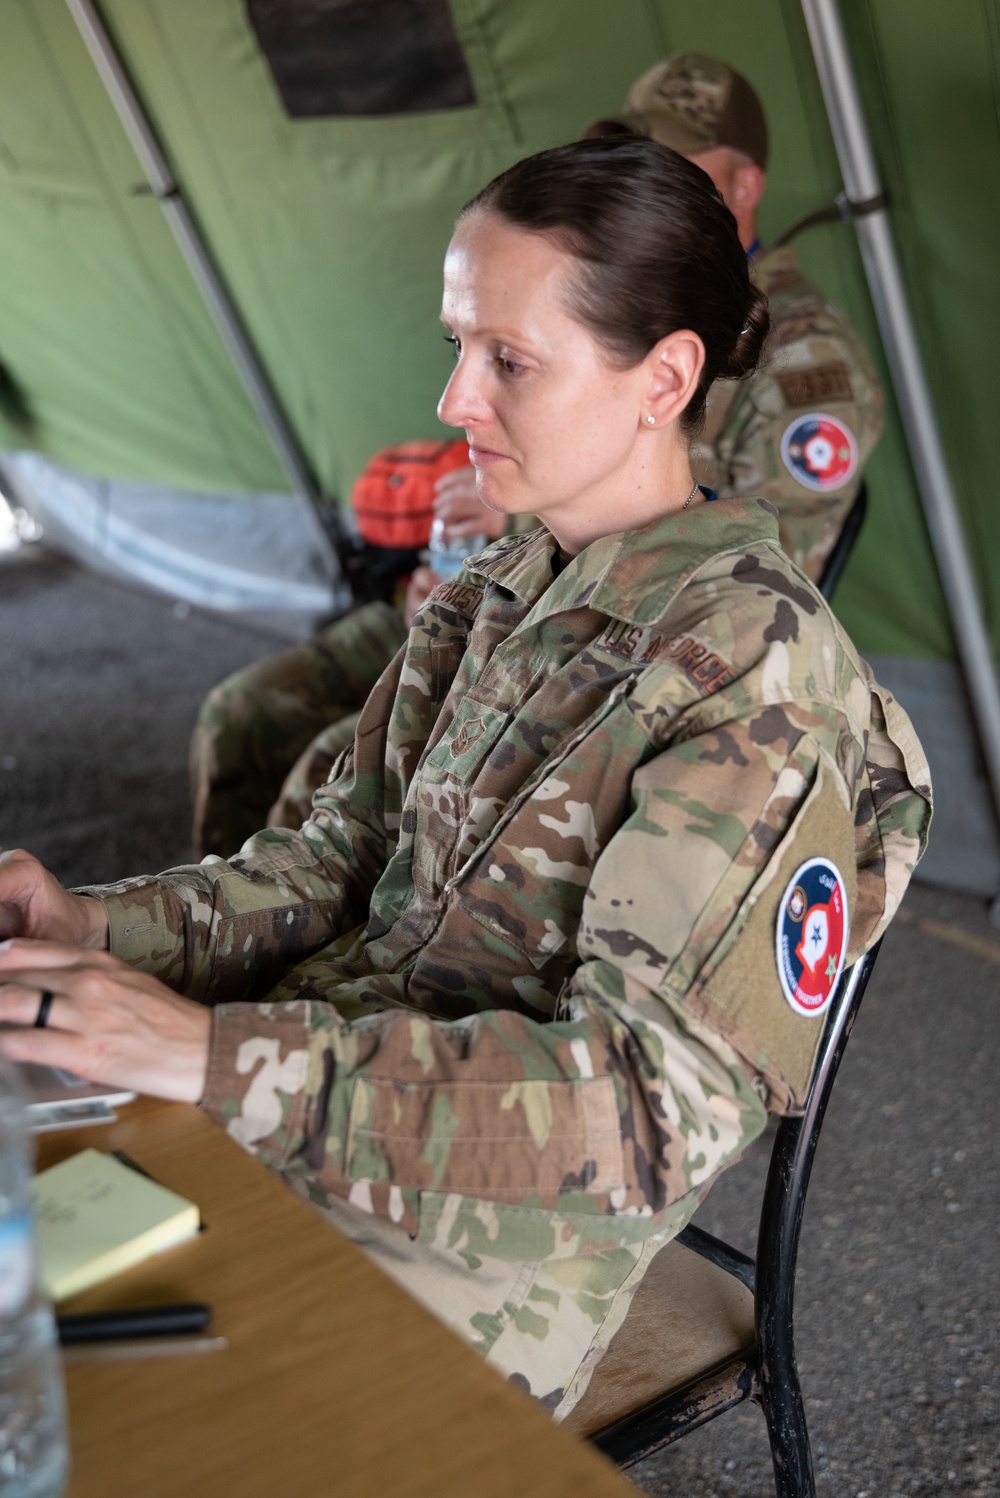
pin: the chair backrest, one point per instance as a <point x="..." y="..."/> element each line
<point x="784" y="1203"/>
<point x="765" y="1369"/>
<point x="844" y="544"/>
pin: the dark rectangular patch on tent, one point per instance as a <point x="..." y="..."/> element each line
<point x="362" y="57"/>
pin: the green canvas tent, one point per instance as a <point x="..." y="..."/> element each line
<point x="328" y="229"/>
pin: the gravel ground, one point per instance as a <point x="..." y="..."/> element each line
<point x="101" y="688"/>
<point x="897" y="1289"/>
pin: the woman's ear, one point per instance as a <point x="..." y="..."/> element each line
<point x="674" y="368"/>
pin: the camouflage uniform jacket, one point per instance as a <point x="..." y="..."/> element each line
<point x="522" y="891"/>
<point x="817" y="382"/>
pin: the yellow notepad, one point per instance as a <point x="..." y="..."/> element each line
<point x="97" y="1217"/>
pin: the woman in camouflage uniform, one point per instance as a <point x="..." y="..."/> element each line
<point x="512" y="998"/>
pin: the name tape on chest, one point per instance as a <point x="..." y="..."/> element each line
<point x="819" y="451"/>
<point x="464" y="598"/>
<point x="811" y="936"/>
<point x="702" y="665"/>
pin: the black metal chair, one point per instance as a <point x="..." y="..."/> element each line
<point x="837" y="560"/>
<point x="709" y="1327"/>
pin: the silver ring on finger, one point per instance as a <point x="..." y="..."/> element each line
<point x="45" y="1004"/>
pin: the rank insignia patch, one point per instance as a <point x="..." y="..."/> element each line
<point x="819" y="451"/>
<point x="467" y="735"/>
<point x="811" y="936"/>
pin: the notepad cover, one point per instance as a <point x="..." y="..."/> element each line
<point x="96" y="1217"/>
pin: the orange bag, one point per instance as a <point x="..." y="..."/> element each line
<point x="393" y="498"/>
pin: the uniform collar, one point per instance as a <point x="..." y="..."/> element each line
<point x="633" y="575"/>
<point x="774" y="264"/>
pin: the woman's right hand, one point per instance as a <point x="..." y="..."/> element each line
<point x="34" y="904"/>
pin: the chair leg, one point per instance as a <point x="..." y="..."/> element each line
<point x="778" y="1390"/>
<point x="780" y="1398"/>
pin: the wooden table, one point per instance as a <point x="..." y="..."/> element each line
<point x="334" y="1381"/>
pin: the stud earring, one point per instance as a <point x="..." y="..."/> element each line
<point x="651" y="420"/>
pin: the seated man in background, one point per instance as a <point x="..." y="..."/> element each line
<point x="467" y="524"/>
<point x="301" y="704"/>
<point x="798" y="431"/>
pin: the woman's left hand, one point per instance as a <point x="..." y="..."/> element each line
<point x="107" y="1022"/>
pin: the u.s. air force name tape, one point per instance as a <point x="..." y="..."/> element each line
<point x="811" y="935"/>
<point x="819" y="451"/>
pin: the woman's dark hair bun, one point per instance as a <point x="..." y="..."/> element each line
<point x="746" y="351"/>
<point x="658" y="248"/>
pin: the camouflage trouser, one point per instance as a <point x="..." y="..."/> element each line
<point x="544" y="1325"/>
<point x="254" y="726"/>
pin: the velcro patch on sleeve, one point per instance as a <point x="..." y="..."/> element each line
<point x="817" y="385"/>
<point x="745" y="994"/>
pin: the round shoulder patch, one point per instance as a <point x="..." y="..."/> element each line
<point x="811" y="935"/>
<point x="819" y="451"/>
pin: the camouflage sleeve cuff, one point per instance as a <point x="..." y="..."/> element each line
<point x="255" y="1086"/>
<point x="146" y="929"/>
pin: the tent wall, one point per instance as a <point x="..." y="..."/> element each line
<point x="330" y="233"/>
<point x="99" y="321"/>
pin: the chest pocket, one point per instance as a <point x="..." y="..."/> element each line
<point x="528" y="885"/>
<point x="442" y="804"/>
<point x="445" y="658"/>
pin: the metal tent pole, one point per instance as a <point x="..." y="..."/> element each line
<point x="164" y="188"/>
<point x="865" y="196"/>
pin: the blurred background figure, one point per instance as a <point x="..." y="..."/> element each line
<point x="289" y="715"/>
<point x="798" y="432"/>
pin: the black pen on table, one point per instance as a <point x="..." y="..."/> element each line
<point x="133" y="1321"/>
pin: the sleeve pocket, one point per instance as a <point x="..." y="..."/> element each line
<point x="496" y="1140"/>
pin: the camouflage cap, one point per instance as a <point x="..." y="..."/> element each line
<point x="693" y="103"/>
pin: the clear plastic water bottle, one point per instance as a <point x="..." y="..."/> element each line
<point x="34" y="1458"/>
<point x="448" y="557"/>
